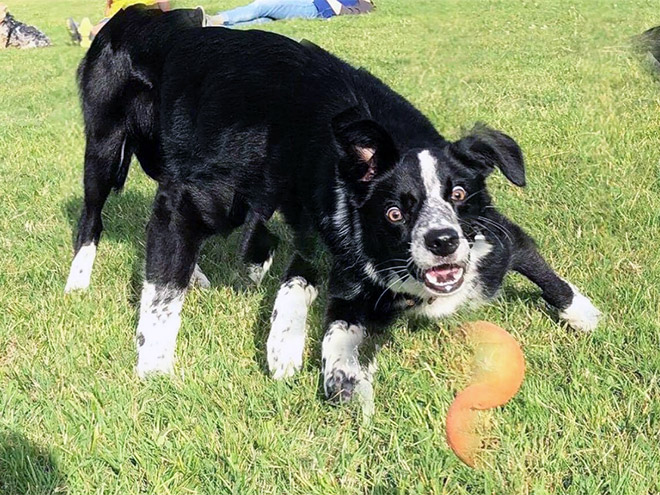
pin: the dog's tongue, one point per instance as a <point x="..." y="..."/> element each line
<point x="445" y="273"/>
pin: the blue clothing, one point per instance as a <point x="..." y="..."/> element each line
<point x="326" y="11"/>
<point x="261" y="11"/>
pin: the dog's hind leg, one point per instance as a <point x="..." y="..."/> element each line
<point x="174" y="237"/>
<point x="257" y="248"/>
<point x="198" y="279"/>
<point x="106" y="166"/>
<point x="286" y="340"/>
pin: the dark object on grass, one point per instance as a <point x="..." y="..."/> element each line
<point x="649" y="42"/>
<point x="16" y="34"/>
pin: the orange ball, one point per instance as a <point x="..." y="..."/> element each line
<point x="499" y="369"/>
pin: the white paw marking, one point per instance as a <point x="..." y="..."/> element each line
<point x="160" y="319"/>
<point x="258" y="272"/>
<point x="198" y="279"/>
<point x="343" y="376"/>
<point x="286" y="340"/>
<point x="581" y="314"/>
<point x="81" y="268"/>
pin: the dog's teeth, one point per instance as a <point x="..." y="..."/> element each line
<point x="447" y="282"/>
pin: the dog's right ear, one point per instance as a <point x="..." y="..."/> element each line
<point x="368" y="152"/>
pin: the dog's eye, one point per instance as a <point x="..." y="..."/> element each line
<point x="458" y="194"/>
<point x="394" y="215"/>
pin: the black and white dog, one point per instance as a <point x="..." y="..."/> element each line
<point x="235" y="125"/>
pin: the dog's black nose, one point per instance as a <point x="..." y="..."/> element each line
<point x="441" y="242"/>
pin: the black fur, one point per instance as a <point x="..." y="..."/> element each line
<point x="235" y="125"/>
<point x="649" y="42"/>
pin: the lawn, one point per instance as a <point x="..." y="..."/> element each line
<point x="557" y="75"/>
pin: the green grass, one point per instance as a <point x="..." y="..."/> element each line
<point x="556" y="75"/>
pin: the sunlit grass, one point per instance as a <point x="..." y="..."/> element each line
<point x="558" y="76"/>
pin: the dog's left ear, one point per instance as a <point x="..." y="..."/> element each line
<point x="485" y="148"/>
<point x="368" y="152"/>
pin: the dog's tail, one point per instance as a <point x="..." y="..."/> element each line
<point x="119" y="84"/>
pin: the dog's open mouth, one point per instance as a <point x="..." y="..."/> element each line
<point x="444" y="279"/>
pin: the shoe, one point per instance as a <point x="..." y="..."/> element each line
<point x="85" y="30"/>
<point x="215" y="20"/>
<point x="72" y="27"/>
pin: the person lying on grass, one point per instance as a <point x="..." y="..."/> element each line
<point x="261" y="11"/>
<point x="82" y="34"/>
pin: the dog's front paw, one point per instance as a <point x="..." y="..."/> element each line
<point x="581" y="314"/>
<point x="285" y="352"/>
<point x="341" y="381"/>
<point x="342" y="373"/>
<point x="153" y="359"/>
<point x="154" y="365"/>
<point x="344" y="377"/>
<point x="160" y="318"/>
<point x="286" y="341"/>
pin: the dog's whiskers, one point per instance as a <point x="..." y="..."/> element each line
<point x="396" y="280"/>
<point x="495" y="224"/>
<point x="390" y="261"/>
<point x="485" y="227"/>
<point x="474" y="194"/>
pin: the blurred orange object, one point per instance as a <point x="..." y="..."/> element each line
<point x="498" y="372"/>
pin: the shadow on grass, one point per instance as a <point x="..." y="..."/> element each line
<point x="531" y="298"/>
<point x="27" y="469"/>
<point x="125" y="218"/>
<point x="385" y="490"/>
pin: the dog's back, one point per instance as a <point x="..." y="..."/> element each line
<point x="119" y="79"/>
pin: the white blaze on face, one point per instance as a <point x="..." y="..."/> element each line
<point x="441" y="212"/>
<point x="436" y="213"/>
<point x="427" y="165"/>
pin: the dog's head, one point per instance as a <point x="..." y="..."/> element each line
<point x="423" y="214"/>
